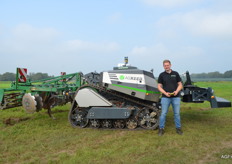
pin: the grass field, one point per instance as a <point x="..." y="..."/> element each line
<point x="38" y="139"/>
<point x="5" y="84"/>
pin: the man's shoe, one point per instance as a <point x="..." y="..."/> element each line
<point x="179" y="131"/>
<point x="161" y="132"/>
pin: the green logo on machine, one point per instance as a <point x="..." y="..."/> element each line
<point x="122" y="77"/>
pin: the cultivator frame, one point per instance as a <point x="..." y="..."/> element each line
<point x="45" y="93"/>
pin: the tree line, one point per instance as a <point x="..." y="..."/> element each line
<point x="39" y="76"/>
<point x="216" y="74"/>
<point x="32" y="76"/>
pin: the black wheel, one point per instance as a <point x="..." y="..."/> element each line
<point x="39" y="102"/>
<point x="120" y="124"/>
<point x="78" y="117"/>
<point x="107" y="124"/>
<point x="95" y="123"/>
<point x="131" y="123"/>
<point x="148" y="118"/>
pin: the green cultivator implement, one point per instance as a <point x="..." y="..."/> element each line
<point x="35" y="95"/>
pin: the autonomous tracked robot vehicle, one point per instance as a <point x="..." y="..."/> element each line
<point x="128" y="97"/>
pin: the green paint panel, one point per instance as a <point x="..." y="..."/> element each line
<point x="136" y="89"/>
<point x="1" y="95"/>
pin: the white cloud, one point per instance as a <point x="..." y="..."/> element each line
<point x="43" y="49"/>
<point x="26" y="39"/>
<point x="200" y="23"/>
<point x="167" y="51"/>
<point x="190" y="51"/>
<point x="80" y="45"/>
<point x="183" y="57"/>
<point x="206" y="23"/>
<point x="28" y="32"/>
<point x="158" y="49"/>
<point x="140" y="50"/>
<point x="168" y="35"/>
<point x="169" y="3"/>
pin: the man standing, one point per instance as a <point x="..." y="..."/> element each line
<point x="169" y="84"/>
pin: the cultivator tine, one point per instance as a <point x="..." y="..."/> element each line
<point x="11" y="100"/>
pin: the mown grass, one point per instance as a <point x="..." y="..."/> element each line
<point x="39" y="139"/>
<point x="5" y="84"/>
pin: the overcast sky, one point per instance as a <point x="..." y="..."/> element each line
<point x="53" y="36"/>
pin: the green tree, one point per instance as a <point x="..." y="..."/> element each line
<point x="7" y="77"/>
<point x="215" y="74"/>
<point x="38" y="76"/>
<point x="228" y="74"/>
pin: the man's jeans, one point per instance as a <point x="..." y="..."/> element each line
<point x="165" y="103"/>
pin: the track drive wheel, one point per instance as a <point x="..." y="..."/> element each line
<point x="95" y="123"/>
<point x="131" y="123"/>
<point x="148" y="118"/>
<point x="78" y="117"/>
<point x="107" y="124"/>
<point x="120" y="124"/>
